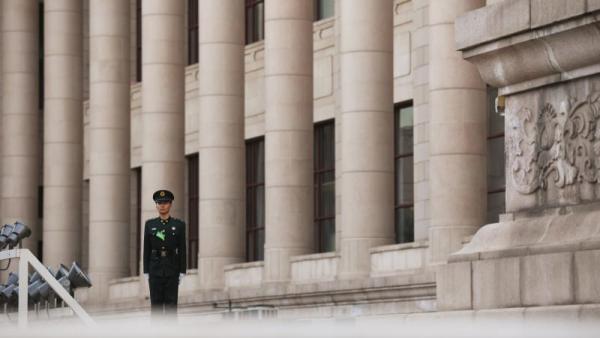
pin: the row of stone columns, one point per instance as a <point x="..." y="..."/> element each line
<point x="367" y="112"/>
<point x="458" y="189"/>
<point x="366" y="175"/>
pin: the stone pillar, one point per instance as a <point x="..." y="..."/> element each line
<point x="366" y="47"/>
<point x="458" y="132"/>
<point x="221" y="139"/>
<point x="1" y="94"/>
<point x="21" y="139"/>
<point x="419" y="49"/>
<point x="109" y="144"/>
<point x="86" y="51"/>
<point x="338" y="126"/>
<point x="163" y="134"/>
<point x="63" y="131"/>
<point x="288" y="134"/>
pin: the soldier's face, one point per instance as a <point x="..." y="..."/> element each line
<point x="163" y="207"/>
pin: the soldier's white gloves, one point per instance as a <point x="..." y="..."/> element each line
<point x="146" y="276"/>
<point x="181" y="277"/>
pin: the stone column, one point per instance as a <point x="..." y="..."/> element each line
<point x="366" y="47"/>
<point x="458" y="132"/>
<point x="221" y="139"/>
<point x="163" y="90"/>
<point x="21" y="139"/>
<point x="63" y="130"/>
<point x="288" y="134"/>
<point x="338" y="125"/>
<point x="109" y="144"/>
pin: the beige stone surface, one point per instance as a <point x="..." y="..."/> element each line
<point x="575" y="229"/>
<point x="63" y="132"/>
<point x="458" y="182"/>
<point x="366" y="105"/>
<point x="453" y="286"/>
<point x="314" y="268"/>
<point x="498" y="19"/>
<point x="288" y="135"/>
<point x="538" y="57"/>
<point x="547" y="279"/>
<point x="449" y="127"/>
<point x="163" y="97"/>
<point x="221" y="139"/>
<point x="593" y="5"/>
<point x="109" y="141"/>
<point x="587" y="276"/>
<point x="525" y="192"/>
<point x="407" y="258"/>
<point x="339" y="130"/>
<point x="496" y="283"/>
<point x="21" y="138"/>
<point x="420" y="99"/>
<point x="1" y="94"/>
<point x="124" y="288"/>
<point x="133" y="19"/>
<point x="244" y="275"/>
<point x="544" y="12"/>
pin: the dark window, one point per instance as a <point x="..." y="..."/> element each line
<point x="40" y="250"/>
<point x="138" y="215"/>
<point x="138" y="40"/>
<point x="495" y="160"/>
<point x="192" y="32"/>
<point x="255" y="199"/>
<point x="324" y="180"/>
<point x="255" y="21"/>
<point x="404" y="182"/>
<point x="194" y="206"/>
<point x="40" y="200"/>
<point x="41" y="56"/>
<point x="324" y="9"/>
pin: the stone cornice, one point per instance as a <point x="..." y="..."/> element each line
<point x="514" y="53"/>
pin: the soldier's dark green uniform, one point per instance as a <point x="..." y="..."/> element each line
<point x="164" y="257"/>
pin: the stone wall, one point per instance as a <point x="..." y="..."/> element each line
<point x="544" y="58"/>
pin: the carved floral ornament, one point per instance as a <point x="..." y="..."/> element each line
<point x="555" y="146"/>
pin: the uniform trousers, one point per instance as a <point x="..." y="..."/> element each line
<point x="163" y="295"/>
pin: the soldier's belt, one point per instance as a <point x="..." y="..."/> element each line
<point x="164" y="252"/>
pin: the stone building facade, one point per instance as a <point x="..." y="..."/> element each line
<point x="332" y="158"/>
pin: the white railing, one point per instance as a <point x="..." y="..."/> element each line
<point x="25" y="258"/>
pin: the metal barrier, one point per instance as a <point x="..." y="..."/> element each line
<point x="25" y="258"/>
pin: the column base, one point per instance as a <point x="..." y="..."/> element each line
<point x="443" y="241"/>
<point x="543" y="260"/>
<point x="277" y="266"/>
<point x="355" y="257"/>
<point x="99" y="294"/>
<point x="211" y="271"/>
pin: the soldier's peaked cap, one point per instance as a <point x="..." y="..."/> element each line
<point x="163" y="196"/>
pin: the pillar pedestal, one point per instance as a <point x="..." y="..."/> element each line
<point x="544" y="251"/>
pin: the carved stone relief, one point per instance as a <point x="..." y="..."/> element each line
<point x="557" y="146"/>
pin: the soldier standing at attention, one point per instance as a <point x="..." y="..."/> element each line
<point x="164" y="255"/>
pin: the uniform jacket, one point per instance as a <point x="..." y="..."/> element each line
<point x="169" y="236"/>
